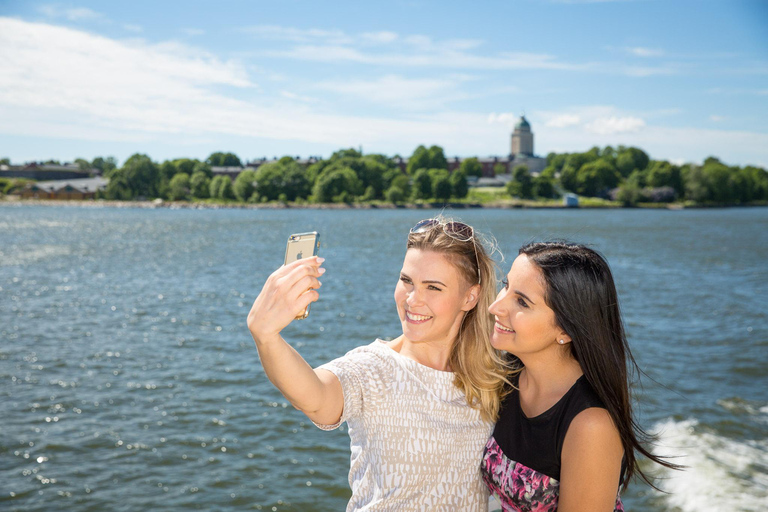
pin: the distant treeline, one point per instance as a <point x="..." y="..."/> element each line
<point x="624" y="174"/>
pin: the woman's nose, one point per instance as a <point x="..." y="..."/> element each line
<point x="497" y="308"/>
<point x="414" y="298"/>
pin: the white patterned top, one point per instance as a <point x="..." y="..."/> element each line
<point x="416" y="444"/>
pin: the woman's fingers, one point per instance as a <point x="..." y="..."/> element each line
<point x="299" y="273"/>
<point x="284" y="295"/>
<point x="304" y="284"/>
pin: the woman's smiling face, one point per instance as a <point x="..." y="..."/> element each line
<point x="431" y="297"/>
<point x="524" y="322"/>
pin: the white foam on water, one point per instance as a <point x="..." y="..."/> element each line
<point x="721" y="473"/>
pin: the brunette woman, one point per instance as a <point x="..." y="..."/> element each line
<point x="566" y="438"/>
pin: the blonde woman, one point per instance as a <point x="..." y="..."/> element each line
<point x="419" y="408"/>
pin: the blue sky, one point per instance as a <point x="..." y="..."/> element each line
<point x="681" y="79"/>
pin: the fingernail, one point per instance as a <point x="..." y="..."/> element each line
<point x="320" y="260"/>
<point x="321" y="270"/>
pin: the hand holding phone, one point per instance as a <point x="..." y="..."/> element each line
<point x="284" y="297"/>
<point x="302" y="245"/>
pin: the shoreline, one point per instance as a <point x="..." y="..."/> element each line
<point x="186" y="205"/>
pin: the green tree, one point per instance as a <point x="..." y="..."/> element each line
<point x="596" y="178"/>
<point x="185" y="165"/>
<point x="422" y="184"/>
<point x="203" y="168"/>
<point x="141" y="175"/>
<point x="396" y="178"/>
<point x="167" y="170"/>
<point x="521" y="184"/>
<point x="441" y="188"/>
<point x="83" y="164"/>
<point x="105" y="165"/>
<point x="243" y="188"/>
<point x="221" y="187"/>
<point x="282" y="177"/>
<point x="179" y="186"/>
<point x="568" y="178"/>
<point x="459" y="186"/>
<point x="220" y="159"/>
<point x="395" y="195"/>
<point x="499" y="168"/>
<point x="5" y="161"/>
<point x="200" y="184"/>
<point x="629" y="193"/>
<point x="337" y="185"/>
<point x="696" y="188"/>
<point x="557" y="160"/>
<point x="543" y="186"/>
<point x="471" y="167"/>
<point x="630" y="159"/>
<point x="718" y="180"/>
<point x="664" y="174"/>
<point x="437" y="158"/>
<point x="758" y="179"/>
<point x="119" y="187"/>
<point x="420" y="159"/>
<point x="549" y="172"/>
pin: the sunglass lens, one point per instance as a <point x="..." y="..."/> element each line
<point x="424" y="225"/>
<point x="459" y="231"/>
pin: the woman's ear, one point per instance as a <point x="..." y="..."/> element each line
<point x="473" y="295"/>
<point x="563" y="338"/>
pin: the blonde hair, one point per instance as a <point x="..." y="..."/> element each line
<point x="479" y="370"/>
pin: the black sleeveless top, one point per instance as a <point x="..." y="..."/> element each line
<point x="521" y="462"/>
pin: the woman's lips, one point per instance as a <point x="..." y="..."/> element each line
<point x="416" y="319"/>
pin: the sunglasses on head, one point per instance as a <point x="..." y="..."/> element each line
<point x="457" y="230"/>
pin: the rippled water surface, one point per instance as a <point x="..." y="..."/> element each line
<point x="130" y="381"/>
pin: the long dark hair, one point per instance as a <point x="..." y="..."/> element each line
<point x="581" y="292"/>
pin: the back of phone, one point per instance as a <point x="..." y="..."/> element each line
<point x="302" y="245"/>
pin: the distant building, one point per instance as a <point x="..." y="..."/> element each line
<point x="41" y="171"/>
<point x="522" y="148"/>
<point x="521" y="154"/>
<point x="85" y="188"/>
<point x="522" y="138"/>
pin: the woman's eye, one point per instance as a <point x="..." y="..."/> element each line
<point x="505" y="283"/>
<point x="431" y="287"/>
<point x="405" y="280"/>
<point x="522" y="302"/>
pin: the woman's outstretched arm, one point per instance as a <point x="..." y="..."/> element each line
<point x="286" y="293"/>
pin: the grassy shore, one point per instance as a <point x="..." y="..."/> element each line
<point x="485" y="197"/>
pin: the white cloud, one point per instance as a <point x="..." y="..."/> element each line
<point x="379" y="37"/>
<point x="563" y="121"/>
<point x="437" y="56"/>
<point x="193" y="31"/>
<point x="639" y="51"/>
<point x="400" y="92"/>
<point x="614" y="125"/>
<point x="72" y="13"/>
<point x="132" y="28"/>
<point x="298" y="35"/>
<point x="293" y="96"/>
<point x="643" y="71"/>
<point x="716" y="119"/>
<point x="326" y="46"/>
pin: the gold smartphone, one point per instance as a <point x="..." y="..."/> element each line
<point x="302" y="245"/>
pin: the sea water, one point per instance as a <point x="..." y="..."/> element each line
<point x="130" y="381"/>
